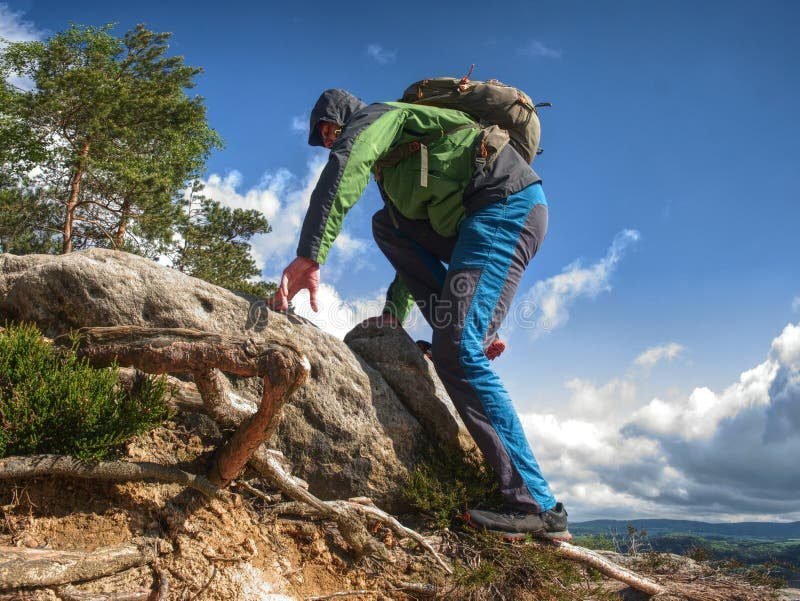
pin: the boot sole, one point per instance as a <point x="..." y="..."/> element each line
<point x="561" y="536"/>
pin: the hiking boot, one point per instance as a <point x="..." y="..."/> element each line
<point x="515" y="524"/>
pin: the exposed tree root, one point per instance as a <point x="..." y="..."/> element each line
<point x="341" y="594"/>
<point x="367" y="510"/>
<point x="28" y="568"/>
<point x="163" y="350"/>
<point x="349" y="524"/>
<point x="602" y="565"/>
<point x="162" y="580"/>
<point x="117" y="471"/>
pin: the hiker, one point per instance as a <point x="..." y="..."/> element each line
<point x="485" y="218"/>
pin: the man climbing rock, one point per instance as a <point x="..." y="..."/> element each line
<point x="450" y="201"/>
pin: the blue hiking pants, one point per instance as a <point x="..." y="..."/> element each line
<point x="465" y="303"/>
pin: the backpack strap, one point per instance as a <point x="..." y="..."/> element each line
<point x="402" y="151"/>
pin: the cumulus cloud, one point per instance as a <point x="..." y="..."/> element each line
<point x="554" y="296"/>
<point x="654" y="354"/>
<point x="714" y="455"/>
<point x="283" y="199"/>
<point x="14" y="28"/>
<point x="380" y="54"/>
<point x="698" y="416"/>
<point x="590" y="400"/>
<point x="537" y="48"/>
<point x="337" y="315"/>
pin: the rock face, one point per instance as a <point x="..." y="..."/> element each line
<point x="396" y="356"/>
<point x="347" y="432"/>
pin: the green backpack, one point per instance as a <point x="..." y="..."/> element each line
<point x="490" y="103"/>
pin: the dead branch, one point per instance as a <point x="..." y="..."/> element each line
<point x="417" y="588"/>
<point x="116" y="471"/>
<point x="349" y="524"/>
<point x="369" y="510"/>
<point x="366" y="510"/>
<point x="26" y="568"/>
<point x="602" y="565"/>
<point x="255" y="492"/>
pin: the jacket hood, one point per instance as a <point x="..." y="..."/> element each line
<point x="334" y="105"/>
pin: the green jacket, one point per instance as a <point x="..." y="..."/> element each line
<point x="453" y="184"/>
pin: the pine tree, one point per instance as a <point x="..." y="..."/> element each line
<point x="213" y="243"/>
<point x="115" y="131"/>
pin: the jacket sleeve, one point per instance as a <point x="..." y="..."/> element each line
<point x="367" y="137"/>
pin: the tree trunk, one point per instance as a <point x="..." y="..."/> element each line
<point x="122" y="225"/>
<point x="72" y="201"/>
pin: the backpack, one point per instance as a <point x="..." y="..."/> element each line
<point x="490" y="103"/>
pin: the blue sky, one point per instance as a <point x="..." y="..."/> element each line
<point x="673" y="132"/>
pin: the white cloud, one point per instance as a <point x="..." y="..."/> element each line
<point x="699" y="416"/>
<point x="589" y="400"/>
<point x="713" y="455"/>
<point x="537" y="48"/>
<point x="554" y="296"/>
<point x="728" y="455"/>
<point x="786" y="347"/>
<point x="336" y="315"/>
<point x="654" y="354"/>
<point x="380" y="54"/>
<point x="283" y="199"/>
<point x="13" y="28"/>
<point x="300" y="124"/>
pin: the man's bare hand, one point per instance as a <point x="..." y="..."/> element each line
<point x="301" y="274"/>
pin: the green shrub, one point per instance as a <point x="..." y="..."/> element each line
<point x="442" y="486"/>
<point x="53" y="402"/>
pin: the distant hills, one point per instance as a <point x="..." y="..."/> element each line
<point x="762" y="530"/>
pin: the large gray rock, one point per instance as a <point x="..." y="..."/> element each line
<point x="396" y="356"/>
<point x="346" y="432"/>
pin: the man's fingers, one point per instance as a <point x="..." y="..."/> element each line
<point x="278" y="300"/>
<point x="312" y="291"/>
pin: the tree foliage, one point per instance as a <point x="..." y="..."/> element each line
<point x="99" y="150"/>
<point x="213" y="243"/>
<point x="112" y="131"/>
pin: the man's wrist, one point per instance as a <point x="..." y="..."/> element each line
<point x="308" y="260"/>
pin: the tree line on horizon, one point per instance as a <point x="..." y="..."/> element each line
<point x="102" y="146"/>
